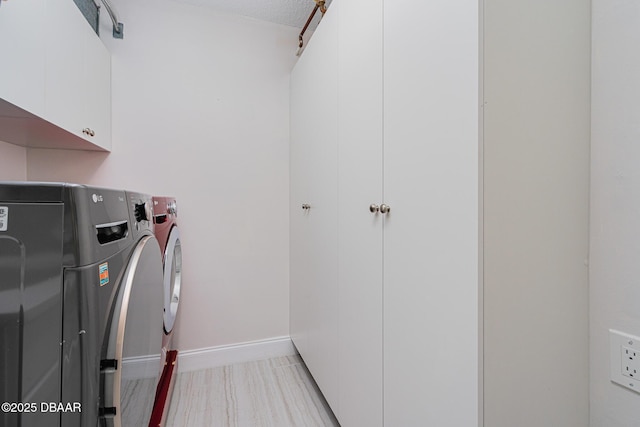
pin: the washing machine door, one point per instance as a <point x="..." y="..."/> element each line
<point x="172" y="278"/>
<point x="30" y="311"/>
<point x="132" y="366"/>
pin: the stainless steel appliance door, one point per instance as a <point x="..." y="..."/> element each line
<point x="30" y="312"/>
<point x="132" y="366"/>
<point x="172" y="278"/>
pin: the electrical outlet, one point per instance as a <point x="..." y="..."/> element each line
<point x="625" y="359"/>
<point x="630" y="363"/>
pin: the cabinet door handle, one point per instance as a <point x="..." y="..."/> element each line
<point x="384" y="209"/>
<point x="306" y="206"/>
<point x="373" y="208"/>
<point x="88" y="131"/>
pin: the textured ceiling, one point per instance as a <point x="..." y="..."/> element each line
<point x="287" y="12"/>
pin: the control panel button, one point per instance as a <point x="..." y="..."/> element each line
<point x="140" y="212"/>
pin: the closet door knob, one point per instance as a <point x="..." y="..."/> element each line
<point x="385" y="208"/>
<point x="374" y="208"/>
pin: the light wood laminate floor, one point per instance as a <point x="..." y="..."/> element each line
<point x="276" y="392"/>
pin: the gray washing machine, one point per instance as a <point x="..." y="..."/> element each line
<point x="81" y="306"/>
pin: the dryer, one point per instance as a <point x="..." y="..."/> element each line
<point x="166" y="231"/>
<point x="81" y="291"/>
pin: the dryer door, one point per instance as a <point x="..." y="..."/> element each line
<point x="172" y="278"/>
<point x="132" y="365"/>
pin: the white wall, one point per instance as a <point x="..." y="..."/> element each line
<point x="200" y="111"/>
<point x="615" y="202"/>
<point x="13" y="162"/>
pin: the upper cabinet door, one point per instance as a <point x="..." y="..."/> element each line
<point x="97" y="92"/>
<point x="78" y="75"/>
<point x="65" y="76"/>
<point x="22" y="46"/>
<point x="431" y="234"/>
<point x="360" y="89"/>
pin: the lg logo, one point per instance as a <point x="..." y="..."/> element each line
<point x="96" y="198"/>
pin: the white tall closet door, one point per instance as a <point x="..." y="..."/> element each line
<point x="314" y="175"/>
<point x="299" y="223"/>
<point x="359" y="230"/>
<point x="431" y="234"/>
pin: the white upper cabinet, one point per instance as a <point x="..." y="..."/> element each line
<point x="22" y="46"/>
<point x="55" y="90"/>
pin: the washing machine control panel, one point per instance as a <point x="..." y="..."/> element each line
<point x="141" y="212"/>
<point x="172" y="208"/>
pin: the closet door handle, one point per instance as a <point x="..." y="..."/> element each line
<point x="384" y="209"/>
<point x="373" y="208"/>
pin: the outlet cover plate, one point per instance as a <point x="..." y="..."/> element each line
<point x="619" y="343"/>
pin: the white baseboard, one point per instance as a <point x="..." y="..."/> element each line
<point x="213" y="357"/>
<point x="139" y="367"/>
